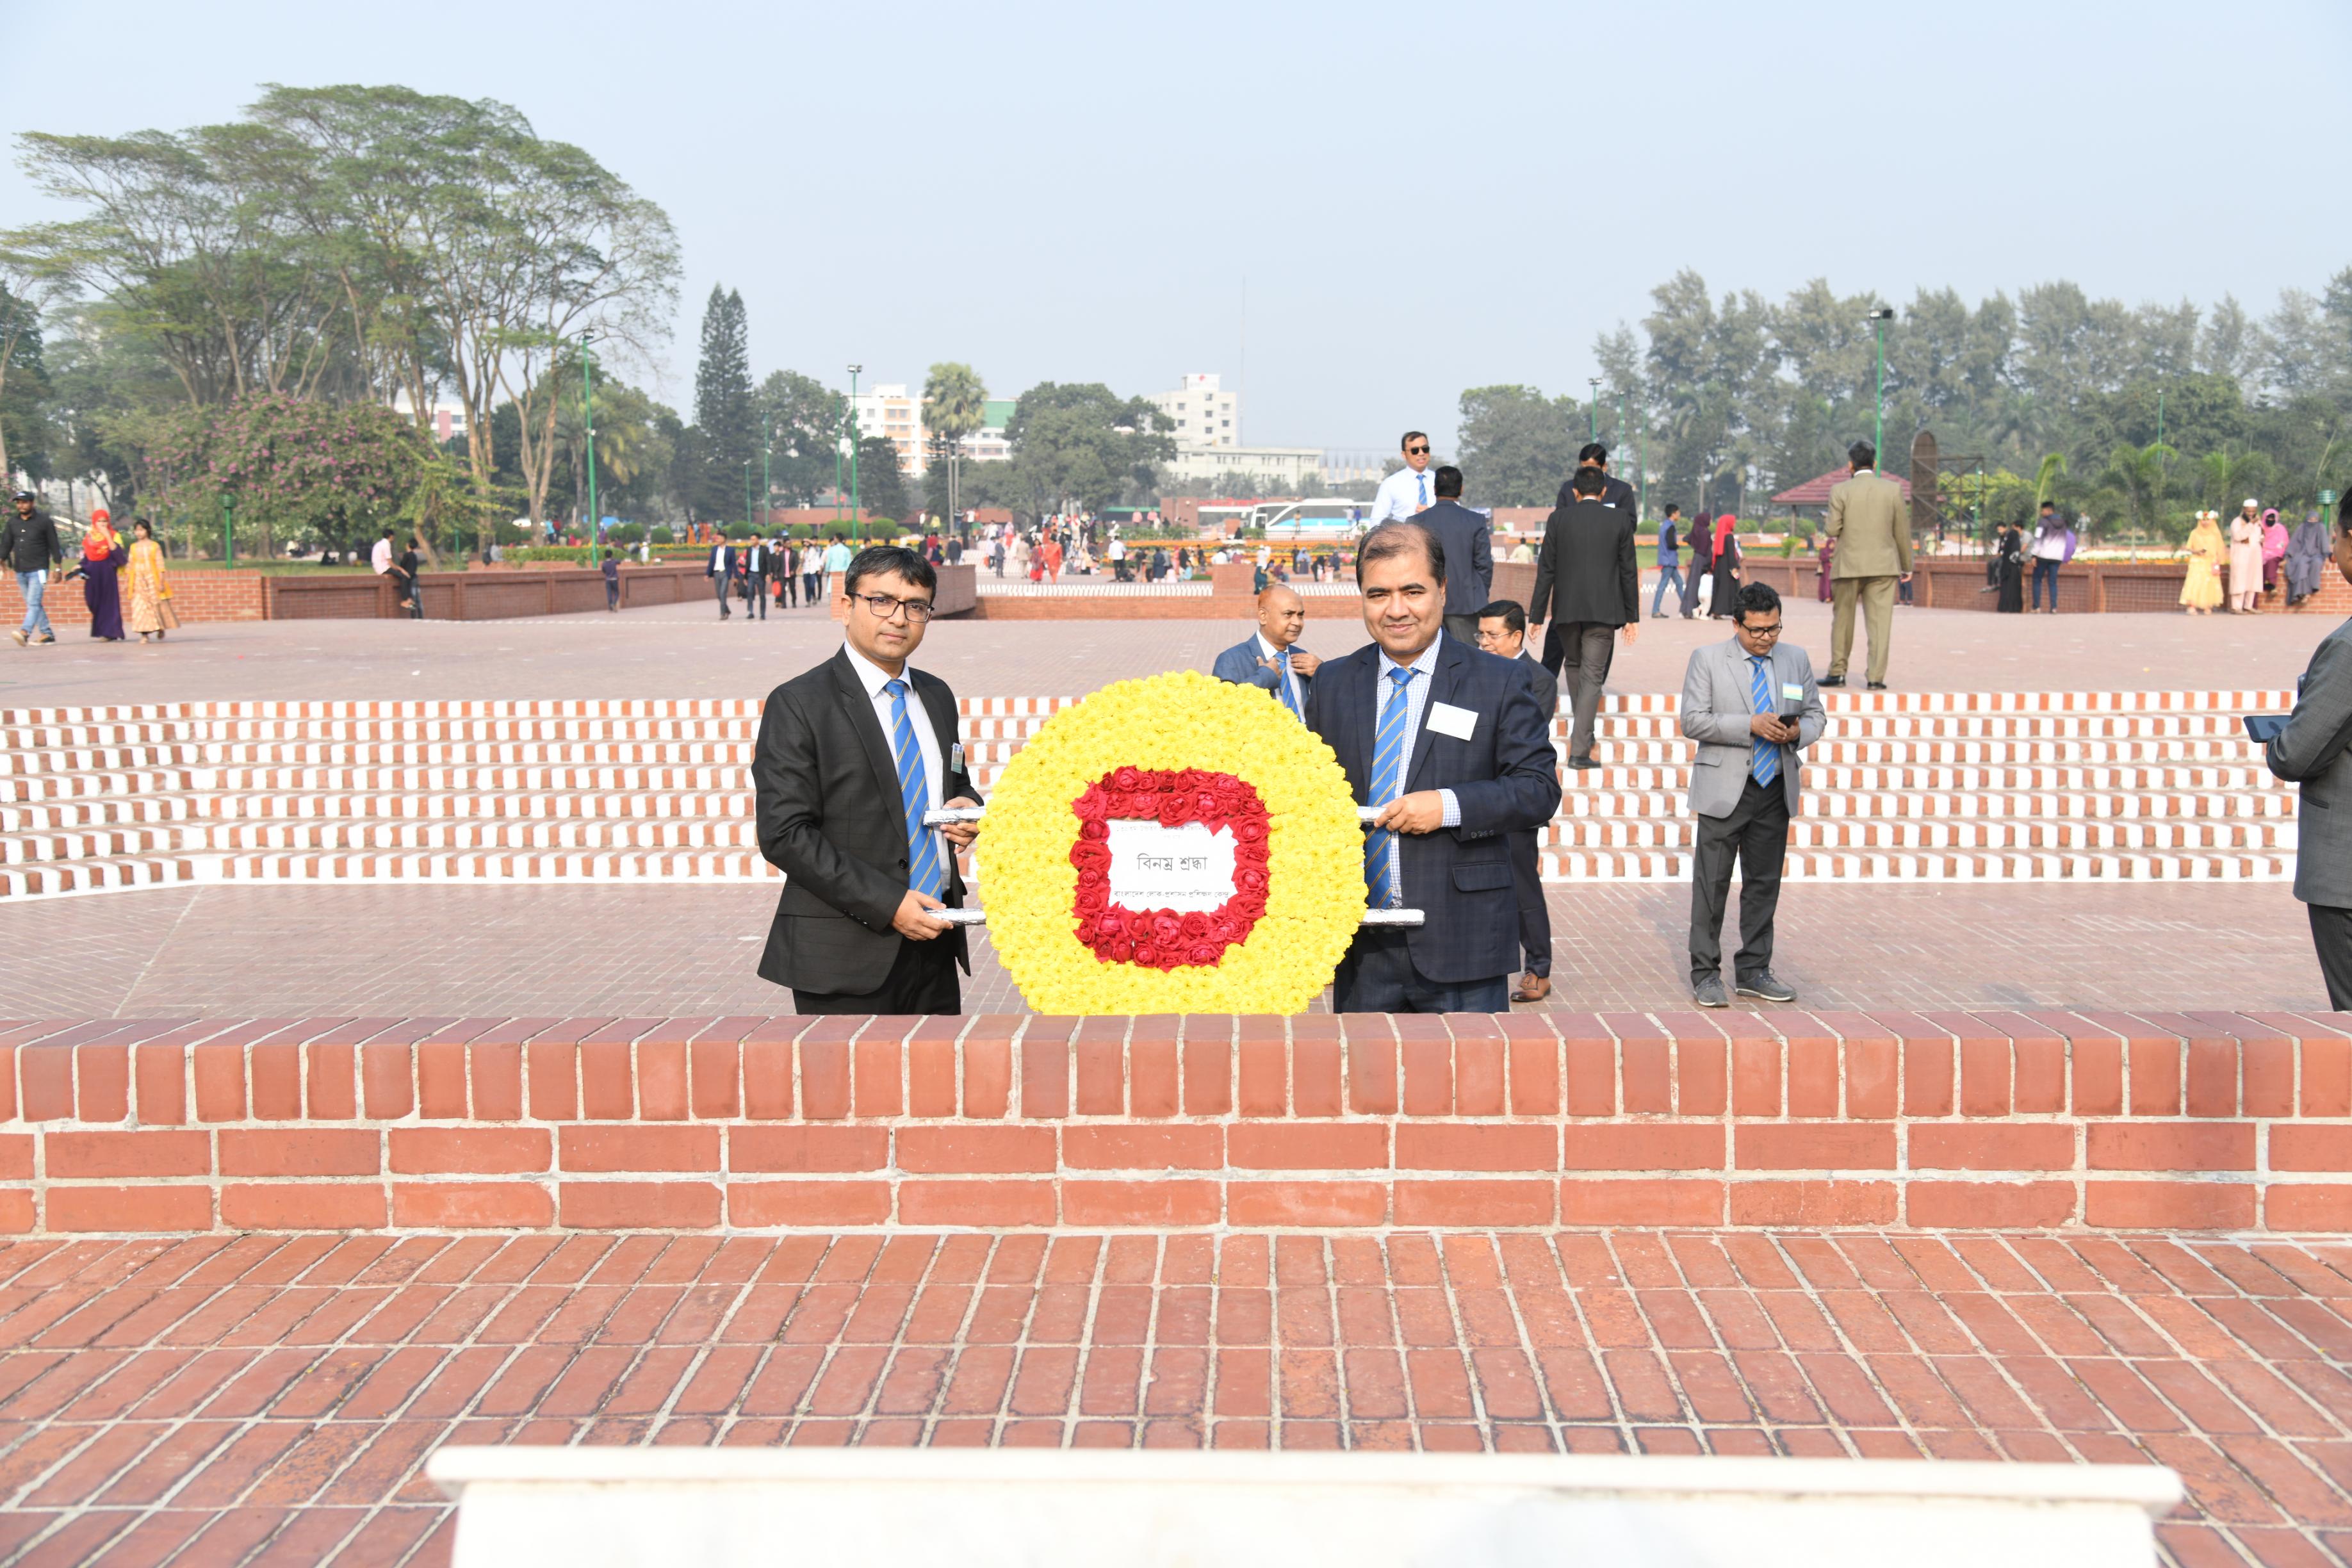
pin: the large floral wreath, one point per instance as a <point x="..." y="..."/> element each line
<point x="1174" y="749"/>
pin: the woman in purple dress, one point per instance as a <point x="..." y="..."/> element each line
<point x="102" y="557"/>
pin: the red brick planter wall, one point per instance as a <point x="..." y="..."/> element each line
<point x="197" y="595"/>
<point x="2211" y="1121"/>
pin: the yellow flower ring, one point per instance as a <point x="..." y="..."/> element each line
<point x="1191" y="749"/>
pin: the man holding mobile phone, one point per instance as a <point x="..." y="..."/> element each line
<point x="1752" y="705"/>
<point x="2314" y="750"/>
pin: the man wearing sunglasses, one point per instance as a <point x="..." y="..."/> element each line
<point x="851" y="755"/>
<point x="1408" y="490"/>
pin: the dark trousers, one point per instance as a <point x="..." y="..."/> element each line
<point x="788" y="588"/>
<point x="922" y="979"/>
<point x="2045" y="571"/>
<point x="1377" y="976"/>
<point x="1535" y="915"/>
<point x="611" y="595"/>
<point x="755" y="593"/>
<point x="1463" y="626"/>
<point x="1698" y="569"/>
<point x="1756" y="834"/>
<point x="722" y="585"/>
<point x="2331" y="937"/>
<point x="1584" y="651"/>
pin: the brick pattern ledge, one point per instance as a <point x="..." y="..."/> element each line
<point x="2201" y="1121"/>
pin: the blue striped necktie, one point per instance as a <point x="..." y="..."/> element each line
<point x="925" y="874"/>
<point x="1424" y="488"/>
<point x="1282" y="682"/>
<point x="1765" y="755"/>
<point x="1389" y="746"/>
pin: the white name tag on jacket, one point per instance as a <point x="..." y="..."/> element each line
<point x="1447" y="720"/>
<point x="955" y="758"/>
<point x="1791" y="691"/>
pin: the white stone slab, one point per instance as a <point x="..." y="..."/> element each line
<point x="525" y="1507"/>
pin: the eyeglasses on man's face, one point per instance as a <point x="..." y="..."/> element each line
<point x="1416" y="451"/>
<point x="1762" y="634"/>
<point x="883" y="607"/>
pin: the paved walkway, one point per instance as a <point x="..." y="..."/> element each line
<point x="680" y="950"/>
<point x="272" y="1399"/>
<point x="684" y="650"/>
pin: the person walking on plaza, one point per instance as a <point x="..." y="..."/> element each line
<point x="836" y="562"/>
<point x="1450" y="745"/>
<point x="1503" y="632"/>
<point x="1827" y="557"/>
<point x="611" y="570"/>
<point x="2200" y="589"/>
<point x="1272" y="660"/>
<point x="1406" y="492"/>
<point x="1873" y="528"/>
<point x="1752" y="705"/>
<point x="1696" y="586"/>
<point x="719" y="567"/>
<point x="1468" y="540"/>
<point x="812" y="573"/>
<point x="2053" y="547"/>
<point x="2246" y="559"/>
<point x="2314" y="752"/>
<point x="1723" y="592"/>
<point x="150" y="584"/>
<point x="756" y="561"/>
<point x="2008" y="570"/>
<point x="1589" y="587"/>
<point x="850" y="756"/>
<point x="100" y="569"/>
<point x="29" y="541"/>
<point x="1669" y="561"/>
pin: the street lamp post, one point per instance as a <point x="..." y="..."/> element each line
<point x="1594" y="424"/>
<point x="1879" y="318"/>
<point x="856" y="522"/>
<point x="836" y="462"/>
<point x="588" y="425"/>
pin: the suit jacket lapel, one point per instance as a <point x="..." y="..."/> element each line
<point x="1444" y="682"/>
<point x="859" y="709"/>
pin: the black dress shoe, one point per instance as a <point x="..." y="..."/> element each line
<point x="1878" y="686"/>
<point x="1583" y="763"/>
<point x="1831" y="680"/>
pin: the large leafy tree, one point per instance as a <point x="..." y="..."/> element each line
<point x="1078" y="444"/>
<point x="1516" y="445"/>
<point x="295" y="468"/>
<point x="800" y="419"/>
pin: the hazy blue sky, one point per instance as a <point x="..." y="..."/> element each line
<point x="1421" y="198"/>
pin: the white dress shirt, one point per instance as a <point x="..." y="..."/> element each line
<point x="1416" y="700"/>
<point x="1402" y="494"/>
<point x="926" y="739"/>
<point x="1268" y="651"/>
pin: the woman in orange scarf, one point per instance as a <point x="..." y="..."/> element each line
<point x="150" y="584"/>
<point x="1725" y="599"/>
<point x="100" y="564"/>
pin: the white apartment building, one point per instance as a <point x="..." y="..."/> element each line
<point x="889" y="411"/>
<point x="1206" y="415"/>
<point x="1290" y="470"/>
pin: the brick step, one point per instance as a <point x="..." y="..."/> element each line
<point x="1847" y="866"/>
<point x="2272" y="804"/>
<point x="1909" y="833"/>
<point x="110" y="784"/>
<point x="54" y="878"/>
<point x="97" y="811"/>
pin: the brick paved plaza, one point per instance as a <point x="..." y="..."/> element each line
<point x="264" y="1388"/>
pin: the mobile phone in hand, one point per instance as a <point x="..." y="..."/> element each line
<point x="2262" y="729"/>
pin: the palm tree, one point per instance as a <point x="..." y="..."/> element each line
<point x="2053" y="468"/>
<point x="2137" y="474"/>
<point x="2225" y="480"/>
<point x="955" y="403"/>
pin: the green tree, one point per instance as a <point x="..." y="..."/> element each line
<point x="24" y="378"/>
<point x="800" y="419"/>
<point x="881" y="482"/>
<point x="2137" y="476"/>
<point x="1516" y="445"/>
<point x="724" y="408"/>
<point x="1077" y="445"/>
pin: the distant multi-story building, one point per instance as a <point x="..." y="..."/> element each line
<point x="889" y="411"/>
<point x="1206" y="414"/>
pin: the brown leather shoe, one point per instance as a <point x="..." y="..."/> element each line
<point x="1534" y="988"/>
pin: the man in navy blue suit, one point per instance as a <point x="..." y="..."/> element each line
<point x="1273" y="660"/>
<point x="1451" y="743"/>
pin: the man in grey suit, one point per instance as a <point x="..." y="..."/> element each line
<point x="1273" y="660"/>
<point x="1467" y="538"/>
<point x="1752" y="705"/>
<point x="2314" y="750"/>
<point x="1503" y="632"/>
<point x="1872" y="526"/>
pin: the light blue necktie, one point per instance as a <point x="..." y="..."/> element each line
<point x="1765" y="754"/>
<point x="1424" y="488"/>
<point x="1282" y="683"/>
<point x="924" y="872"/>
<point x="1389" y="750"/>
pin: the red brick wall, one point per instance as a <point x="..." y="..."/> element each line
<point x="195" y="595"/>
<point x="2207" y="1122"/>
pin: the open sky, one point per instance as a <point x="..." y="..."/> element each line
<point x="1411" y="200"/>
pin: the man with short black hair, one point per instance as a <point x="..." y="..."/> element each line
<point x="850" y="756"/>
<point x="1450" y="747"/>
<point x="1614" y="491"/>
<point x="29" y="541"/>
<point x="1872" y="530"/>
<point x="1467" y="538"/>
<point x="1588" y="586"/>
<point x="1406" y="492"/>
<point x="1503" y="632"/>
<point x="720" y="569"/>
<point x="1752" y="705"/>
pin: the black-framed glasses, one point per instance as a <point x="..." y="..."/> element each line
<point x="885" y="608"/>
<point x="1416" y="451"/>
<point x="1762" y="633"/>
